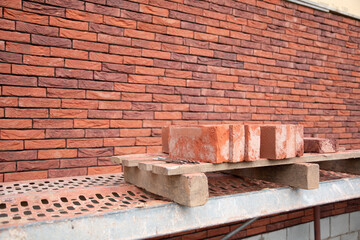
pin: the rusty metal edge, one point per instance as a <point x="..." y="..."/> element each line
<point x="170" y="218"/>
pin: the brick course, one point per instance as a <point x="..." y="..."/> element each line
<point x="83" y="80"/>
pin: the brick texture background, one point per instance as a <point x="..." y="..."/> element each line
<point x="81" y="81"/>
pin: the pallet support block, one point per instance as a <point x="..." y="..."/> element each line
<point x="299" y="175"/>
<point x="186" y="189"/>
<point x="351" y="166"/>
<point x="165" y="139"/>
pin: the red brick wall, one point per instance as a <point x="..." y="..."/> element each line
<point x="268" y="223"/>
<point x="84" y="80"/>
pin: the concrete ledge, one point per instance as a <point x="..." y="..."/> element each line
<point x="169" y="218"/>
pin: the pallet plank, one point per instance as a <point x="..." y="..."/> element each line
<point x="297" y="175"/>
<point x="351" y="166"/>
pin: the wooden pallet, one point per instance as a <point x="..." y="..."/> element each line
<point x="186" y="184"/>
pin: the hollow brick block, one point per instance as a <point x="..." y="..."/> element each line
<point x="208" y="143"/>
<point x="320" y="145"/>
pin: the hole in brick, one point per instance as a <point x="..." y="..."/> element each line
<point x="44" y="201"/>
<point x="57" y="205"/>
<point x="131" y="193"/>
<point x="70" y="208"/>
<point x="31" y="219"/>
<point x="84" y="210"/>
<point x="129" y="198"/>
<point x="143" y="201"/>
<point x="50" y="210"/>
<point x="5" y="222"/>
<point x="99" y="196"/>
<point x="143" y="196"/>
<point x="41" y="215"/>
<point x="126" y="202"/>
<point x="55" y="216"/>
<point x="112" y="200"/>
<point x="3" y="215"/>
<point x="27" y="212"/>
<point x="63" y="212"/>
<point x="2" y="205"/>
<point x="17" y="218"/>
<point x="94" y="201"/>
<point x="108" y="204"/>
<point x="104" y="207"/>
<point x="82" y="198"/>
<point x="78" y="213"/>
<point x="115" y="194"/>
<point x="64" y="199"/>
<point x="36" y="207"/>
<point x="89" y="206"/>
<point x="76" y="203"/>
<point x="14" y="209"/>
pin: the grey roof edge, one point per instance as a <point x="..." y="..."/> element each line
<point x="170" y="218"/>
<point x="323" y="8"/>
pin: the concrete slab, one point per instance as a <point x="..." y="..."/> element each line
<point x="339" y="225"/>
<point x="354" y="221"/>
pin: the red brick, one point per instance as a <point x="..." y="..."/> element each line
<point x="65" y="93"/>
<point x="252" y="142"/>
<point x="89" y="65"/>
<point x="37" y="165"/>
<point x="52" y="62"/>
<point x="15" y="123"/>
<point x="129" y="150"/>
<point x="57" y="153"/>
<point x="61" y="22"/>
<point x="7" y="24"/>
<point x="21" y="176"/>
<point x="22" y="134"/>
<point x="85" y="104"/>
<point x="68" y="53"/>
<point x="57" y="133"/>
<point x="84" y="16"/>
<point x="27" y="49"/>
<point x="91" y="46"/>
<point x="167" y="115"/>
<point x="57" y="173"/>
<point x="104" y="170"/>
<point x="106" y="57"/>
<point x="166" y="98"/>
<point x="25" y="16"/>
<point x="18" y="155"/>
<point x="142" y="97"/>
<point x="32" y="70"/>
<point x="135" y="132"/>
<point x="102" y="95"/>
<point x="75" y="34"/>
<point x="80" y="143"/>
<point x="5" y="68"/>
<point x="52" y="123"/>
<point x="95" y="152"/>
<point x="11" y="145"/>
<point x="39" y="144"/>
<point x="143" y="79"/>
<point x="39" y="102"/>
<point x="24" y="91"/>
<point x="125" y="123"/>
<point x="120" y="22"/>
<point x="166" y="21"/>
<point x="11" y="3"/>
<point x="320" y="145"/>
<point x="114" y="105"/>
<point x="109" y="142"/>
<point x="154" y="10"/>
<point x="77" y="162"/>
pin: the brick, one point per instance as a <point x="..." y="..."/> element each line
<point x="18" y="155"/>
<point x="11" y="145"/>
<point x="50" y="41"/>
<point x="65" y="93"/>
<point x="24" y="91"/>
<point x="77" y="162"/>
<point x="138" y="115"/>
<point x="104" y="170"/>
<point x="85" y="104"/>
<point x="37" y="29"/>
<point x="95" y="152"/>
<point x="114" y="105"/>
<point x="68" y="133"/>
<point x="27" y="49"/>
<point x="118" y="68"/>
<point x="66" y="23"/>
<point x="252" y="142"/>
<point x="57" y="153"/>
<point x="81" y="64"/>
<point x="139" y="34"/>
<point x="25" y="16"/>
<point x="52" y="123"/>
<point x="129" y="150"/>
<point x="102" y="133"/>
<point x="57" y="173"/>
<point x="102" y="95"/>
<point x="32" y="70"/>
<point x="109" y="142"/>
<point x="39" y="102"/>
<point x="26" y="113"/>
<point x="22" y="134"/>
<point x="15" y="123"/>
<point x="5" y="68"/>
<point x="148" y="141"/>
<point x="113" y="77"/>
<point x="110" y="30"/>
<point x="216" y="144"/>
<point x="168" y="115"/>
<point x="125" y="123"/>
<point x="40" y="144"/>
<point x="105" y="114"/>
<point x="14" y="36"/>
<point x="320" y="145"/>
<point x="83" y="16"/>
<point x="166" y="21"/>
<point x="10" y="57"/>
<point x="81" y="143"/>
<point x="11" y="4"/>
<point x="102" y="57"/>
<point x="57" y="82"/>
<point x="22" y="176"/>
<point x="43" y="61"/>
<point x="91" y="46"/>
<point x="87" y="84"/>
<point x="74" y="73"/>
<point x="37" y="165"/>
<point x="75" y="34"/>
<point x="90" y="123"/>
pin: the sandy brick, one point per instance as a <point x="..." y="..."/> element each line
<point x="252" y="142"/>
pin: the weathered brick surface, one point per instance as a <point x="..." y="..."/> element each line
<point x="116" y="72"/>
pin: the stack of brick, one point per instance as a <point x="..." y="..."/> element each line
<point x="233" y="143"/>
